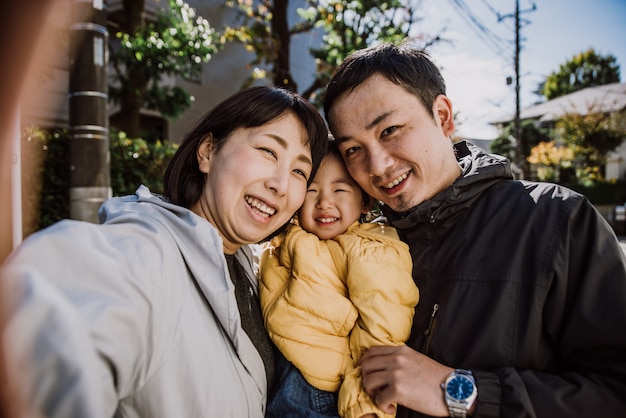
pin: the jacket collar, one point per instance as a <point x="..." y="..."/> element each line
<point x="479" y="172"/>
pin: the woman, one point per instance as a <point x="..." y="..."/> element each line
<point x="155" y="312"/>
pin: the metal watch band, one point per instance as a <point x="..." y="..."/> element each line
<point x="457" y="412"/>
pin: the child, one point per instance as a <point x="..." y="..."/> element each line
<point x="332" y="287"/>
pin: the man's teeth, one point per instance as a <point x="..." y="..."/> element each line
<point x="260" y="206"/>
<point x="396" y="181"/>
<point x="327" y="220"/>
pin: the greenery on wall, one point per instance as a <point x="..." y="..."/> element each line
<point x="46" y="172"/>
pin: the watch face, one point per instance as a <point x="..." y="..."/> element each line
<point x="460" y="388"/>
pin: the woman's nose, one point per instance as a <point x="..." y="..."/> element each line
<point x="278" y="183"/>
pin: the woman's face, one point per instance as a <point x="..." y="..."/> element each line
<point x="255" y="182"/>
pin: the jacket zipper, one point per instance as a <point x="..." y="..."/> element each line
<point x="435" y="214"/>
<point x="429" y="331"/>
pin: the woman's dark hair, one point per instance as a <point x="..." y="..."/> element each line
<point x="405" y="65"/>
<point x="255" y="106"/>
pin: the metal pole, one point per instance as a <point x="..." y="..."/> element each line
<point x="16" y="181"/>
<point x="521" y="160"/>
<point x="90" y="183"/>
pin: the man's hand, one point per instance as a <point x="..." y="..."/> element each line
<point x="399" y="374"/>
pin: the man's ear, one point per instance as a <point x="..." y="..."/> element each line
<point x="442" y="110"/>
<point x="203" y="154"/>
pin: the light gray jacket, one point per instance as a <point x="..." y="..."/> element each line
<point x="133" y="318"/>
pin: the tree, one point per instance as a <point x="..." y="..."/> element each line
<point x="587" y="69"/>
<point x="531" y="133"/>
<point x="346" y="26"/>
<point x="591" y="137"/>
<point x="555" y="161"/>
<point x="176" y="43"/>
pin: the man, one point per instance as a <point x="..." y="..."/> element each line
<point x="522" y="308"/>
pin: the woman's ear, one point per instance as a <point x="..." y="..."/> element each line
<point x="203" y="153"/>
<point x="442" y="109"/>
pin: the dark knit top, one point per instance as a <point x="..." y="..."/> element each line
<point x="251" y="316"/>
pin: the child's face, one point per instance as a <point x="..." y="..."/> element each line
<point x="332" y="202"/>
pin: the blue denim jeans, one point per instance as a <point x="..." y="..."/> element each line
<point x="295" y="397"/>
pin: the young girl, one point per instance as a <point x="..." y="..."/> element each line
<point x="332" y="287"/>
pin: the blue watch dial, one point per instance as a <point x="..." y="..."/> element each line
<point x="460" y="388"/>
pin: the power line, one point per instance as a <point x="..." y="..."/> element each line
<point x="490" y="39"/>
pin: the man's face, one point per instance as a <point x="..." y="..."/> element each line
<point x="392" y="146"/>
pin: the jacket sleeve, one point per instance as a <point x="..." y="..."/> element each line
<point x="585" y="316"/>
<point x="80" y="332"/>
<point x="306" y="307"/>
<point x="380" y="282"/>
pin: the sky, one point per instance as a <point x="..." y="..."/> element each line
<point x="476" y="66"/>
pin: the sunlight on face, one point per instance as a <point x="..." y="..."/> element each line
<point x="391" y="144"/>
<point x="256" y="181"/>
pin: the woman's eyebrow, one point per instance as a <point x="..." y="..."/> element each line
<point x="283" y="143"/>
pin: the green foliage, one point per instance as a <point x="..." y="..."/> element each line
<point x="177" y="43"/>
<point x="45" y="177"/>
<point x="602" y="192"/>
<point x="587" y="69"/>
<point x="135" y="162"/>
<point x="591" y="137"/>
<point x="531" y="133"/>
<point x="349" y="26"/>
<point x="45" y="159"/>
<point x="346" y="27"/>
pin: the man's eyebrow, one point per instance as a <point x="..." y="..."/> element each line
<point x="378" y="120"/>
<point x="369" y="126"/>
<point x="282" y="142"/>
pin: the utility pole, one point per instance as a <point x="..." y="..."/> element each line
<point x="90" y="183"/>
<point x="521" y="142"/>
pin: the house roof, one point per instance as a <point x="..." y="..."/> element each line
<point x="605" y="98"/>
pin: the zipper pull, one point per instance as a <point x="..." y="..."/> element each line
<point x="432" y="319"/>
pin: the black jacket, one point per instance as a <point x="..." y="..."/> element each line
<point x="525" y="284"/>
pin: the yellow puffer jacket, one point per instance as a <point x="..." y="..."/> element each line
<point x="326" y="301"/>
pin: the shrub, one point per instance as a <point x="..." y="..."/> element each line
<point x="46" y="172"/>
<point x="603" y="192"/>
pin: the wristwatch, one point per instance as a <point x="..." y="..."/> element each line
<point x="460" y="392"/>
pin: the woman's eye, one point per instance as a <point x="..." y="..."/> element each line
<point x="269" y="151"/>
<point x="301" y="173"/>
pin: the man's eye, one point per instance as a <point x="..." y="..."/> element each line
<point x="389" y="130"/>
<point x="351" y="150"/>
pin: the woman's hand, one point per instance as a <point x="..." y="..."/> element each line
<point x="399" y="374"/>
